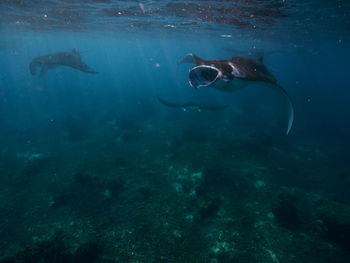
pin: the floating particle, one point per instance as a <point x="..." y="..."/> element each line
<point x="169" y="26"/>
<point x="142" y="7"/>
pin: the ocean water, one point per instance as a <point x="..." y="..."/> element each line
<point x="132" y="164"/>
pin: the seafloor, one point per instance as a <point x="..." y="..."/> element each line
<point x="110" y="189"/>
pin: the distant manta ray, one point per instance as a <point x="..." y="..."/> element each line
<point x="70" y="59"/>
<point x="234" y="74"/>
<point x="191" y="105"/>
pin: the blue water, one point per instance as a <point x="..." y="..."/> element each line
<point x="95" y="168"/>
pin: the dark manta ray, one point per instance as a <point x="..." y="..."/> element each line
<point x="191" y="105"/>
<point x="234" y="74"/>
<point x="70" y="59"/>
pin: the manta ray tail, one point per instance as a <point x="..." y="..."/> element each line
<point x="191" y="58"/>
<point x="89" y="70"/>
<point x="289" y="104"/>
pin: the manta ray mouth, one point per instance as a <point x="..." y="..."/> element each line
<point x="204" y="75"/>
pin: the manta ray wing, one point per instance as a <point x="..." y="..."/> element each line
<point x="69" y="59"/>
<point x="169" y="104"/>
<point x="191" y="105"/>
<point x="44" y="69"/>
<point x="213" y="108"/>
<point x="191" y="58"/>
<point x="34" y="64"/>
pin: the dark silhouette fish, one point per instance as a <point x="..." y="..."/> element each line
<point x="234" y="74"/>
<point x="70" y="59"/>
<point x="191" y="105"/>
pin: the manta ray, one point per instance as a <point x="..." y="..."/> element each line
<point x="234" y="74"/>
<point x="70" y="59"/>
<point x="187" y="106"/>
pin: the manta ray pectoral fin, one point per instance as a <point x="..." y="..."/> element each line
<point x="214" y="108"/>
<point x="43" y="70"/>
<point x="91" y="71"/>
<point x="283" y="92"/>
<point x="191" y="58"/>
<point x="33" y="65"/>
<point x="84" y="68"/>
<point x="169" y="104"/>
<point x="74" y="51"/>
